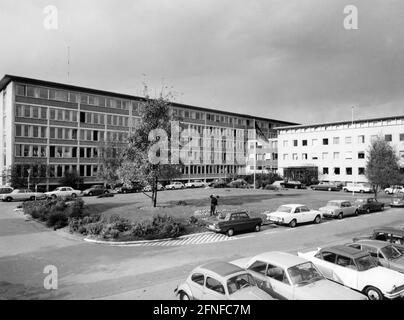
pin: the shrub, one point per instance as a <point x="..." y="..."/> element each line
<point x="57" y="220"/>
<point x="76" y="208"/>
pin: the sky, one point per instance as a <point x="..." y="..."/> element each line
<point x="289" y="60"/>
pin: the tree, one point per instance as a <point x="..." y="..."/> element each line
<point x="382" y="167"/>
<point x="155" y="117"/>
<point x="71" y="179"/>
<point x="110" y="159"/>
<point x="30" y="175"/>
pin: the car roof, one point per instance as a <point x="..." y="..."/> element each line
<point x="374" y="243"/>
<point x="338" y="201"/>
<point x="281" y="259"/>
<point x="390" y="229"/>
<point x="294" y="205"/>
<point x="345" y="251"/>
<point x="221" y="268"/>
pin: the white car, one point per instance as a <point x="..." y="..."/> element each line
<point x="148" y="188"/>
<point x="339" y="209"/>
<point x="358" y="187"/>
<point x="63" y="192"/>
<point x="292" y="214"/>
<point x="22" y="195"/>
<point x="175" y="185"/>
<point x="195" y="184"/>
<point x="394" y="189"/>
<point x="358" y="270"/>
<point x="287" y="276"/>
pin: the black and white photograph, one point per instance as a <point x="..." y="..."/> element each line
<point x="166" y="150"/>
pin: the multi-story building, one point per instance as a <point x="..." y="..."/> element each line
<point x="335" y="151"/>
<point x="51" y="128"/>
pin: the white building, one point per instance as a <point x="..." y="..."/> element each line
<point x="337" y="151"/>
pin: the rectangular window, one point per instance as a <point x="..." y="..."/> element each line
<point x="67" y="115"/>
<point x="361" y="171"/>
<point x="18" y="130"/>
<point x="26" y="131"/>
<point x="295" y="143"/>
<point x="325" y="170"/>
<point x="294" y="156"/>
<point x="52" y="151"/>
<point x="348" y="140"/>
<point x="60" y="133"/>
<point x="88" y="171"/>
<point x="325" y="155"/>
<point x="348" y="171"/>
<point x="401" y="136"/>
<point x="88" y="135"/>
<point x="304" y="156"/>
<point x="325" y="142"/>
<point x="35" y="151"/>
<point x="67" y="134"/>
<point x="61" y="95"/>
<point x="35" y="132"/>
<point x="335" y="140"/>
<point x="337" y="171"/>
<point x="388" y="137"/>
<point x="88" y="152"/>
<point x="18" y="150"/>
<point x="74" y="134"/>
<point x="35" y="112"/>
<point x="60" y="115"/>
<point x="27" y="111"/>
<point x="44" y="112"/>
<point x="304" y="142"/>
<point x="20" y="90"/>
<point x="73" y="97"/>
<point x="43" y="93"/>
<point x="26" y="151"/>
<point x="361" y="139"/>
<point x="74" y="116"/>
<point x="18" y="110"/>
<point x="348" y="155"/>
<point x="314" y="142"/>
<point x="361" y="155"/>
<point x="336" y="155"/>
<point x="52" y="133"/>
<point x="52" y="114"/>
<point x="82" y="153"/>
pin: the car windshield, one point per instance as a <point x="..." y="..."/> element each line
<point x="365" y="263"/>
<point x="332" y="204"/>
<point x="304" y="274"/>
<point x="284" y="209"/>
<point x="391" y="253"/>
<point x="239" y="282"/>
<point x="360" y="200"/>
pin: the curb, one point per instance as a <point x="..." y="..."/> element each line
<point x="139" y="242"/>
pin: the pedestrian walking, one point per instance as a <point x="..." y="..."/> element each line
<point x="213" y="204"/>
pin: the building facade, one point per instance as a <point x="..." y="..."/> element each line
<point x="49" y="129"/>
<point x="335" y="151"/>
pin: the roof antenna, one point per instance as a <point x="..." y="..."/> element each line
<point x="68" y="64"/>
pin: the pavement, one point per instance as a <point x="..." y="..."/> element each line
<point x="93" y="271"/>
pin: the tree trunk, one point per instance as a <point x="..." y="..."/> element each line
<point x="375" y="190"/>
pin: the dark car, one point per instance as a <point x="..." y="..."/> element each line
<point x="326" y="186"/>
<point x="387" y="234"/>
<point x="368" y="205"/>
<point x="95" y="190"/>
<point x="292" y="184"/>
<point x="238" y="221"/>
<point x="129" y="189"/>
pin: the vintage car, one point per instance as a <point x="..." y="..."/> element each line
<point x="394" y="189"/>
<point x="388" y="255"/>
<point x="292" y="184"/>
<point x="293" y="214"/>
<point x="358" y="187"/>
<point x="287" y="276"/>
<point x="368" y="205"/>
<point x="22" y="195"/>
<point x="220" y="281"/>
<point x="238" y="221"/>
<point x="358" y="270"/>
<point x="195" y="184"/>
<point x="5" y="190"/>
<point x="387" y="234"/>
<point x="338" y="209"/>
<point x="148" y="188"/>
<point x="95" y="190"/>
<point x="398" y="200"/>
<point x="63" y="192"/>
<point x="175" y="185"/>
<point x="326" y="186"/>
<point x="131" y="188"/>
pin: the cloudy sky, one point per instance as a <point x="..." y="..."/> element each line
<point x="291" y="60"/>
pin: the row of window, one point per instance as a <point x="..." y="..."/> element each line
<point x="325" y="156"/>
<point x="67" y="96"/>
<point x="55" y="171"/>
<point x="348" y="171"/>
<point x="210" y="169"/>
<point x="41" y="151"/>
<point x="336" y="140"/>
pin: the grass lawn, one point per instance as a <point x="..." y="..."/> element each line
<point x="137" y="206"/>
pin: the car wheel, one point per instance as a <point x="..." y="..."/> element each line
<point x="9" y="199"/>
<point x="106" y="192"/>
<point x="90" y="194"/>
<point x="373" y="293"/>
<point x="230" y="232"/>
<point x="317" y="220"/>
<point x="340" y="216"/>
<point x="184" y="296"/>
<point x="368" y="210"/>
<point x="295" y="187"/>
<point x="329" y="189"/>
<point x="382" y="208"/>
<point x="345" y="190"/>
<point x="361" y="191"/>
<point x="356" y="212"/>
<point x="74" y="195"/>
<point x="32" y="198"/>
<point x="293" y="223"/>
<point x="257" y="228"/>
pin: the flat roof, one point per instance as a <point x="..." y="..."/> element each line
<point x="300" y="126"/>
<point x="223" y="269"/>
<point x="8" y="78"/>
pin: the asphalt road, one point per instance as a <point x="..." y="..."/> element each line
<point x="91" y="271"/>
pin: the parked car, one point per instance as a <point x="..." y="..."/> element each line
<point x="387" y="234"/>
<point x="95" y="190"/>
<point x="5" y="189"/>
<point x="394" y="189"/>
<point x="293" y="214"/>
<point x="63" y="192"/>
<point x="220" y="281"/>
<point x="129" y="189"/>
<point x="388" y="255"/>
<point x="22" y="195"/>
<point x="148" y="188"/>
<point x="368" y="205"/>
<point x="339" y="209"/>
<point x="287" y="276"/>
<point x="175" y="185"/>
<point x="398" y="200"/>
<point x="292" y="184"/>
<point x="239" y="183"/>
<point x="326" y="186"/>
<point x="218" y="183"/>
<point x="358" y="187"/>
<point x="238" y="221"/>
<point x="358" y="270"/>
<point x="195" y="184"/>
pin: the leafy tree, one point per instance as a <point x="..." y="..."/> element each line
<point x="110" y="159"/>
<point x="382" y="167"/>
<point x="14" y="177"/>
<point x="71" y="179"/>
<point x="23" y="176"/>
